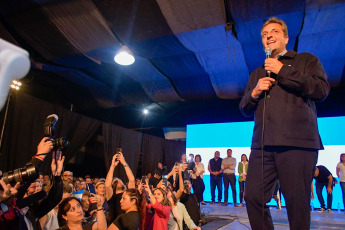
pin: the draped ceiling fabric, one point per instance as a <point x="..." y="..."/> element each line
<point x="182" y="50"/>
<point x="323" y="31"/>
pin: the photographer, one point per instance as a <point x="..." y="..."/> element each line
<point x="24" y="210"/>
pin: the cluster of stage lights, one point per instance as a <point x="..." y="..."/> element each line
<point x="16" y="84"/>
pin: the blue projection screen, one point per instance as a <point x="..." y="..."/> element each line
<point x="205" y="139"/>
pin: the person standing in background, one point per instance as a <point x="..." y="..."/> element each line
<point x="228" y="167"/>
<point x="323" y="178"/>
<point x="197" y="179"/>
<point x="215" y="169"/>
<point x="341" y="175"/>
<point x="242" y="172"/>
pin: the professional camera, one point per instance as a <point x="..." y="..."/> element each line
<point x="27" y="174"/>
<point x="49" y="129"/>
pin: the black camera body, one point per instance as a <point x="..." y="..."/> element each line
<point x="191" y="166"/>
<point x="27" y="174"/>
<point x="59" y="143"/>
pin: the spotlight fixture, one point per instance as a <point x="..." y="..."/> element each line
<point x="124" y="56"/>
<point x="146" y="111"/>
<point x="16" y="84"/>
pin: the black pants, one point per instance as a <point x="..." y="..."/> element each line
<point x="319" y="186"/>
<point x="216" y="181"/>
<point x="294" y="168"/>
<point x="242" y="184"/>
<point x="229" y="178"/>
<point x="198" y="188"/>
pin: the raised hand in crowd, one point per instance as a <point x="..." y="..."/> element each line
<point x="57" y="163"/>
<point x="129" y="173"/>
<point x="114" y="161"/>
<point x="149" y="192"/>
<point x="161" y="185"/>
<point x="98" y="200"/>
<point x="119" y="156"/>
<point x="7" y="190"/>
<point x="44" y="147"/>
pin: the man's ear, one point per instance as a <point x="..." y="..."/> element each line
<point x="286" y="39"/>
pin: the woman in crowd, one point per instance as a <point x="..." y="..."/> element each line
<point x="130" y="204"/>
<point x="197" y="181"/>
<point x="341" y="174"/>
<point x="71" y="215"/>
<point x="114" y="189"/>
<point x="100" y="190"/>
<point x="178" y="214"/>
<point x="158" y="212"/>
<point x="50" y="221"/>
<point x="242" y="171"/>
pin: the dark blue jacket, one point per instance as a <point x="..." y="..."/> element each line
<point x="290" y="116"/>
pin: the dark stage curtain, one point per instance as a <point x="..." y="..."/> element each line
<point x="153" y="148"/>
<point x="130" y="142"/>
<point x="24" y="130"/>
<point x="173" y="151"/>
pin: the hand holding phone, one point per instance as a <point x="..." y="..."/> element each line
<point x="143" y="179"/>
<point x="118" y="151"/>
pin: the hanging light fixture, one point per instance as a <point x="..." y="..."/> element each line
<point x="124" y="56"/>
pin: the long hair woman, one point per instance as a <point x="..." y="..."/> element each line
<point x="341" y="174"/>
<point x="130" y="204"/>
<point x="197" y="181"/>
<point x="71" y="215"/>
<point x="158" y="211"/>
<point x="178" y="214"/>
<point x="242" y="171"/>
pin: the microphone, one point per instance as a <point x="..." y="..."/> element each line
<point x="268" y="52"/>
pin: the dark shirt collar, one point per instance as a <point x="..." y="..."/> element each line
<point x="288" y="54"/>
<point x="281" y="54"/>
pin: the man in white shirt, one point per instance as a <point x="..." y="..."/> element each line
<point x="228" y="167"/>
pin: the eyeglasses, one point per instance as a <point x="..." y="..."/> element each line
<point x="73" y="208"/>
<point x="68" y="175"/>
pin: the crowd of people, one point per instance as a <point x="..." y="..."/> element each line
<point x="62" y="201"/>
<point x="162" y="201"/>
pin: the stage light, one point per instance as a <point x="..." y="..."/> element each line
<point x="124" y="56"/>
<point x="15" y="84"/>
<point x="146" y="111"/>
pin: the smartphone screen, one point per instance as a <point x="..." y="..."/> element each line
<point x="165" y="180"/>
<point x="143" y="179"/>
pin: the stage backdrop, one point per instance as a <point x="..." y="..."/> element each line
<point x="205" y="139"/>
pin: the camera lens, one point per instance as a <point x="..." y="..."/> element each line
<point x="21" y="175"/>
<point x="60" y="143"/>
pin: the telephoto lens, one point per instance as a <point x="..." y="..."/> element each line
<point x="21" y="175"/>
